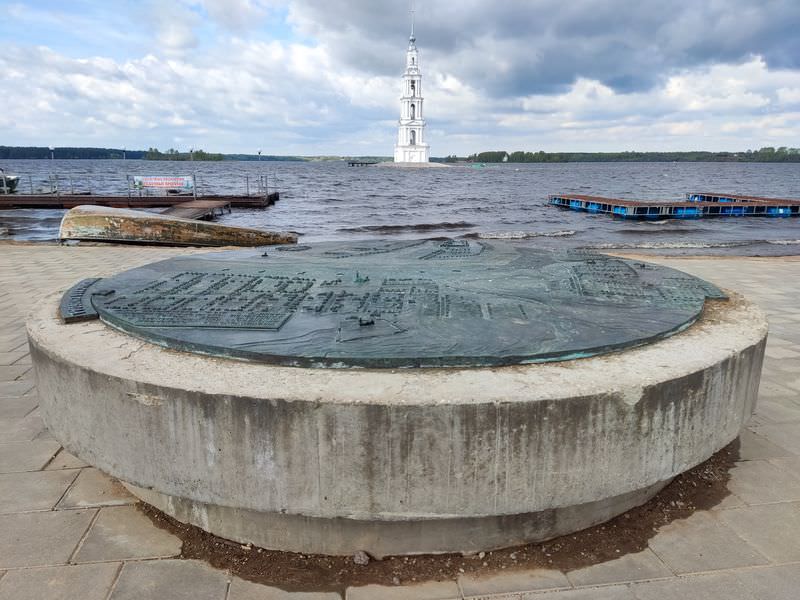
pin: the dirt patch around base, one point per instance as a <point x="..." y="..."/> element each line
<point x="700" y="488"/>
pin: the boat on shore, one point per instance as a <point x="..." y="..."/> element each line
<point x="8" y="183"/>
<point x="117" y="225"/>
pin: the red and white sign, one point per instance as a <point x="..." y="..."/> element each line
<point x="172" y="183"/>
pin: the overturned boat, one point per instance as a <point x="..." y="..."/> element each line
<point x="103" y="224"/>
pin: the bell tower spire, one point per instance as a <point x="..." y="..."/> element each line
<point x="412" y="38"/>
<point x="411" y="146"/>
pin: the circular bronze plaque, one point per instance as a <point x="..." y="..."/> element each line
<point x="421" y="303"/>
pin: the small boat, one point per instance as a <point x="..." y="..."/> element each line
<point x="8" y="183"/>
<point x="104" y="224"/>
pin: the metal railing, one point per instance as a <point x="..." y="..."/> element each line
<point x="57" y="184"/>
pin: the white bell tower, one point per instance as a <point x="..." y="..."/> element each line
<point x="411" y="146"/>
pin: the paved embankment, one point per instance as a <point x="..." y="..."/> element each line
<point x="68" y="531"/>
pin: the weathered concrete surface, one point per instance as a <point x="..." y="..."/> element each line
<point x="388" y="537"/>
<point x="414" y="447"/>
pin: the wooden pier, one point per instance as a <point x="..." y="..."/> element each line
<point x="201" y="210"/>
<point x="706" y="205"/>
<point x="65" y="201"/>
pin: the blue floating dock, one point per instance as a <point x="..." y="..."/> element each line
<point x="696" y="206"/>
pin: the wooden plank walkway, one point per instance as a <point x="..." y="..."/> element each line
<point x="204" y="210"/>
<point x="744" y="206"/>
<point x="9" y="201"/>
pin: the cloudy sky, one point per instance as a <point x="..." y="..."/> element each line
<point x="318" y="77"/>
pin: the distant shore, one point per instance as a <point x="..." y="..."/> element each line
<point x="763" y="155"/>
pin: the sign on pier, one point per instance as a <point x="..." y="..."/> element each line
<point x="172" y="183"/>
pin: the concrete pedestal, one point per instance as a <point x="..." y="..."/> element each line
<point x="397" y="461"/>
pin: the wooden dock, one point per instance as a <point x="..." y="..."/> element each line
<point x="204" y="210"/>
<point x="715" y="205"/>
<point x="65" y="201"/>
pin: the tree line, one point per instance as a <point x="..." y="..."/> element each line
<point x="766" y="154"/>
<point x="172" y="154"/>
<point x="43" y="152"/>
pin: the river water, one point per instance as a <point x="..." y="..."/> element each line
<point x="331" y="201"/>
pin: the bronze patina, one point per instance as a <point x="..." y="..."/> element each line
<point x="386" y="304"/>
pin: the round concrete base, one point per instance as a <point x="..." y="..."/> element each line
<point x="397" y="461"/>
<point x="297" y="533"/>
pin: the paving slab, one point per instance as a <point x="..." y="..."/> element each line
<point x="95" y="488"/>
<point x="512" y="581"/>
<point x="786" y="435"/>
<point x="780" y="352"/>
<point x="790" y="464"/>
<point x="772" y="390"/>
<point x="432" y="590"/>
<point x="9" y="358"/>
<point x="26" y="456"/>
<point x="122" y="532"/>
<point x="631" y="567"/>
<point x="14" y="389"/>
<point x="772" y="529"/>
<point x="21" y="430"/>
<point x="17" y="408"/>
<point x="73" y="582"/>
<point x="41" y="538"/>
<point x="12" y="373"/>
<point x="245" y="590"/>
<point x="37" y="490"/>
<point x="611" y="592"/>
<point x="772" y="583"/>
<point x="718" y="586"/>
<point x="170" y="579"/>
<point x="65" y="460"/>
<point x="703" y="543"/>
<point x="760" y="481"/>
<point x="775" y="411"/>
<point x="753" y="446"/>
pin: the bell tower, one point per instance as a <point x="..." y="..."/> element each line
<point x="411" y="146"/>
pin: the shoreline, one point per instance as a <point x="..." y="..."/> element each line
<point x="621" y="252"/>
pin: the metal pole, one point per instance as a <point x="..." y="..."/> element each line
<point x="194" y="186"/>
<point x="247" y="183"/>
<point x="58" y="187"/>
<point x="30" y="182"/>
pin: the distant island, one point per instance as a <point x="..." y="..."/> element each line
<point x="767" y="154"/>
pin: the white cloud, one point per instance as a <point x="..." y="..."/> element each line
<point x="223" y="84"/>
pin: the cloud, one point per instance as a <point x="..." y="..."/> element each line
<point x="237" y="15"/>
<point x="301" y="76"/>
<point x="523" y="47"/>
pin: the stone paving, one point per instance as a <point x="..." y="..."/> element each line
<point x="68" y="531"/>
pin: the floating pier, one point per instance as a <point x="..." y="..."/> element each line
<point x="696" y="206"/>
<point x="716" y="197"/>
<point x="72" y="200"/>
